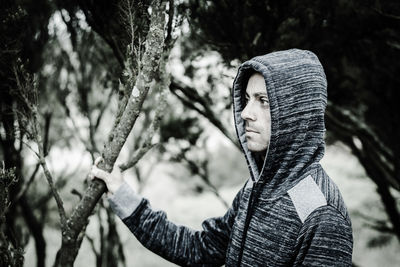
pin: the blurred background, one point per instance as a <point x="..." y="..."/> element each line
<point x="68" y="68"/>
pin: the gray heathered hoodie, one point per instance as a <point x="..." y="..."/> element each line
<point x="289" y="213"/>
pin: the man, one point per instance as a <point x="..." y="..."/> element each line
<point x="289" y="212"/>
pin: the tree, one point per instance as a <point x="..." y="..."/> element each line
<point x="147" y="40"/>
<point x="22" y="31"/>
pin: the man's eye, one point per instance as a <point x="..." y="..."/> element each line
<point x="264" y="101"/>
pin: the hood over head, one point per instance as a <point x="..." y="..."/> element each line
<point x="297" y="93"/>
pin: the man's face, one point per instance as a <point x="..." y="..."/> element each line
<point x="257" y="114"/>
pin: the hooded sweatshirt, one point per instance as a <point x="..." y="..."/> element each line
<point x="289" y="212"/>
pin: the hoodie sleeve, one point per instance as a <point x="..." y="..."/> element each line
<point x="178" y="244"/>
<point x="325" y="239"/>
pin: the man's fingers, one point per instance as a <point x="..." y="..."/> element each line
<point x="99" y="173"/>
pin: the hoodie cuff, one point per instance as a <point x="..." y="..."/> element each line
<point x="124" y="201"/>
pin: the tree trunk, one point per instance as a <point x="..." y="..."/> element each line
<point x="36" y="229"/>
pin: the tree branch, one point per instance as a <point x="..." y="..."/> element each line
<point x="153" y="128"/>
<point x="359" y="126"/>
<point x="145" y="79"/>
<point x="189" y="97"/>
<point x="47" y="173"/>
<point x="28" y="91"/>
<point x="349" y="125"/>
<point x="26" y="185"/>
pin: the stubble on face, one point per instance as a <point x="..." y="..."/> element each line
<point x="256" y="114"/>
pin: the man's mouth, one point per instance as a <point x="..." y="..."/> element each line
<point x="250" y="130"/>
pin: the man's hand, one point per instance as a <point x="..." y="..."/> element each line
<point x="112" y="180"/>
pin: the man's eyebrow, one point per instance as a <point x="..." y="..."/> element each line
<point x="258" y="94"/>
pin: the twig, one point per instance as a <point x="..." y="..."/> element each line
<point x="189" y="96"/>
<point x="153" y="128"/>
<point x="102" y="110"/>
<point x="389" y="16"/>
<point x="91" y="242"/>
<point x="54" y="190"/>
<point x="362" y="128"/>
<point x="169" y="24"/>
<point x="26" y="186"/>
<point x="88" y="147"/>
<point x="204" y="176"/>
<point x="136" y="156"/>
<point x="379" y="225"/>
<point x="29" y="94"/>
<point x="350" y="125"/>
<point x="76" y="193"/>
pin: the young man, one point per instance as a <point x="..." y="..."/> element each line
<point x="289" y="212"/>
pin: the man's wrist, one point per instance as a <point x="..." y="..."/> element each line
<point x="114" y="186"/>
<point x="124" y="201"/>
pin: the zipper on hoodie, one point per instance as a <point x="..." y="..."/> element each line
<point x="255" y="188"/>
<point x="246" y="223"/>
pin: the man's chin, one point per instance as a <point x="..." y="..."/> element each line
<point x="256" y="148"/>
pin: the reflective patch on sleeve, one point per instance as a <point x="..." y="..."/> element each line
<point x="306" y="197"/>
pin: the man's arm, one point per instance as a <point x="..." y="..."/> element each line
<point x="325" y="239"/>
<point x="178" y="244"/>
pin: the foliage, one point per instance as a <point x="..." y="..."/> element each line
<point x="11" y="253"/>
<point x="86" y="57"/>
<point x="70" y="72"/>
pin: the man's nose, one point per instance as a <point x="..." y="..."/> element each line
<point x="247" y="113"/>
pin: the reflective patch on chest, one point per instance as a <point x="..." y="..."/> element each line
<point x="306" y="197"/>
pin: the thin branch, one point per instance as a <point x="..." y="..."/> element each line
<point x="102" y="110"/>
<point x="76" y="193"/>
<point x="77" y="134"/>
<point x="47" y="122"/>
<point x="41" y="202"/>
<point x="379" y="225"/>
<point x="349" y="125"/>
<point x="54" y="190"/>
<point x="92" y="140"/>
<point x="136" y="156"/>
<point x="31" y="148"/>
<point x="26" y="185"/>
<point x="168" y="38"/>
<point x="189" y="96"/>
<point x="389" y="16"/>
<point x="24" y="90"/>
<point x="131" y="24"/>
<point x="92" y="245"/>
<point x="204" y="176"/>
<point x="362" y="127"/>
<point x="153" y="128"/>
